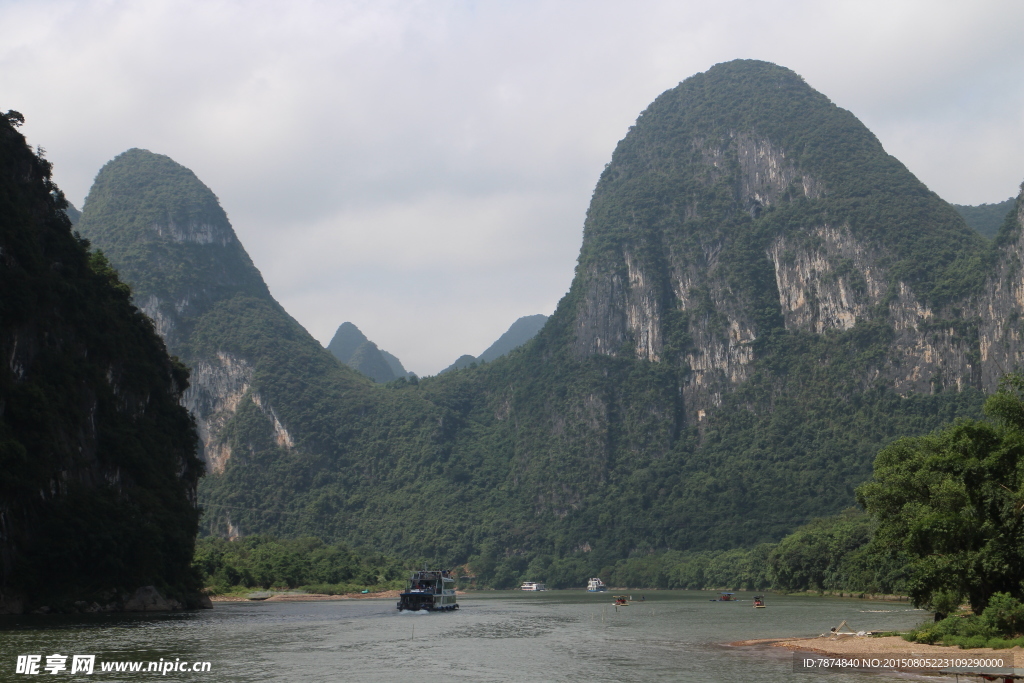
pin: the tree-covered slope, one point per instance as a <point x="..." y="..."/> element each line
<point x="763" y="299"/>
<point x="98" y="490"/>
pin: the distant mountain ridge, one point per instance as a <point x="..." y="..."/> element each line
<point x="987" y="219"/>
<point x="522" y="330"/>
<point x="350" y="346"/>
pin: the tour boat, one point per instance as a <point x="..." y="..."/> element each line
<point x="430" y="590"/>
<point x="596" y="585"/>
<point x="532" y="586"/>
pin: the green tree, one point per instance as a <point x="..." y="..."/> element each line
<point x="952" y="501"/>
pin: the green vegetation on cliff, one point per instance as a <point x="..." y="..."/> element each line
<point x="98" y="458"/>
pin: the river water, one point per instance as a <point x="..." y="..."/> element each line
<point x="496" y="636"/>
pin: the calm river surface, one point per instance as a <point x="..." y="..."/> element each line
<point x="498" y="636"/>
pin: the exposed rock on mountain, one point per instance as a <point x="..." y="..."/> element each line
<point x="776" y="212"/>
<point x="98" y="493"/>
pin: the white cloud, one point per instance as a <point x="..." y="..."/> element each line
<point x="422" y="168"/>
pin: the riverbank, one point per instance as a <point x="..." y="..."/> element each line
<point x="888" y="597"/>
<point x="311" y="597"/>
<point x="306" y="597"/>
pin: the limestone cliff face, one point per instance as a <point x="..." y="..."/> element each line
<point x="1000" y="347"/>
<point x="723" y="220"/>
<point x="218" y="386"/>
<point x="840" y="281"/>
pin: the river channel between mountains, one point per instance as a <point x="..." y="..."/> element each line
<point x="495" y="636"/>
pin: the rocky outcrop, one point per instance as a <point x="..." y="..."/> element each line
<point x="143" y="599"/>
<point x="148" y="599"/>
<point x="600" y="325"/>
<point x="827" y="286"/>
<point x="281" y="436"/>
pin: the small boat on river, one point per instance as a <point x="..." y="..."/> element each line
<point x="725" y="597"/>
<point x="596" y="585"/>
<point x="533" y="586"/>
<point x="759" y="601"/>
<point x="621" y="601"/>
<point x="431" y="590"/>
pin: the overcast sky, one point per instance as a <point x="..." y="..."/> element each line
<point x="422" y="169"/>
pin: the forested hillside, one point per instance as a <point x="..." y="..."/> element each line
<point x="764" y="298"/>
<point x="98" y="491"/>
<point x="986" y="218"/>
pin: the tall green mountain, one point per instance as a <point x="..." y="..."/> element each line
<point x="257" y="374"/>
<point x="98" y="493"/>
<point x="764" y="297"/>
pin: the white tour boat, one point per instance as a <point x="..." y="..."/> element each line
<point x="533" y="586"/>
<point x="596" y="585"/>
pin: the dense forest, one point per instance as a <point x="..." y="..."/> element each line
<point x="304" y="563"/>
<point x="757" y="281"/>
